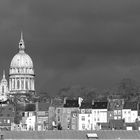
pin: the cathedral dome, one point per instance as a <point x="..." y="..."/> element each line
<point x="21" y="59"/>
<point x="21" y="72"/>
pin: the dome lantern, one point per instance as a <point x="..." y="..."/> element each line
<point x="21" y="44"/>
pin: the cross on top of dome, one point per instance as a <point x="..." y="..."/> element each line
<point x="21" y="44"/>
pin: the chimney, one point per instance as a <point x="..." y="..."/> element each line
<point x="80" y="101"/>
<point x="93" y="102"/>
<point x="65" y="100"/>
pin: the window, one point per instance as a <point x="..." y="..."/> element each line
<point x="58" y="111"/>
<point x="83" y="118"/>
<point x="8" y="121"/>
<point x="4" y="121"/>
<point x="83" y="126"/>
<point x="68" y="126"/>
<point x="119" y="112"/>
<point x="68" y="119"/>
<point x="115" y="112"/>
<point x="115" y="118"/>
<point x="119" y="117"/>
<point x="26" y="83"/>
<point x="8" y="115"/>
<point x="23" y="114"/>
<point x="58" y="118"/>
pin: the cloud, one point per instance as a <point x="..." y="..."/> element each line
<point x="73" y="42"/>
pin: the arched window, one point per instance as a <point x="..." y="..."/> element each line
<point x="26" y="84"/>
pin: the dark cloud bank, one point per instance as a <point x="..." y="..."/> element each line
<point x="91" y="43"/>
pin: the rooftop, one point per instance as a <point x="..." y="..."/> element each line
<point x="130" y="105"/>
<point x="100" y="105"/>
<point x="71" y="103"/>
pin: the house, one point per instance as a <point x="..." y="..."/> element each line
<point x="42" y="116"/>
<point x="115" y="107"/>
<point x="7" y="114"/>
<point x="74" y="120"/>
<point x="85" y="118"/>
<point x="130" y="112"/>
<point x="55" y="112"/>
<point x="99" y="113"/>
<point x="70" y="105"/>
<point x="28" y="122"/>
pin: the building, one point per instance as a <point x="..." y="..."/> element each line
<point x="130" y="112"/>
<point x="7" y="114"/>
<point x="42" y="116"/>
<point x="74" y="120"/>
<point x="21" y="74"/>
<point x="99" y="113"/>
<point x="70" y="105"/>
<point x="28" y="121"/>
<point x="115" y="107"/>
<point x="85" y="118"/>
<point x="55" y="112"/>
<point x="4" y="92"/>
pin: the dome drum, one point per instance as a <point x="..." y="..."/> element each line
<point x="21" y="71"/>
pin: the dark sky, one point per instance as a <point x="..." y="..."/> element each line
<point x="73" y="42"/>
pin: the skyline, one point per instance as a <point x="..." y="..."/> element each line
<point x="89" y="43"/>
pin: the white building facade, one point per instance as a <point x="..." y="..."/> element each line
<point x="130" y="112"/>
<point x="85" y="120"/>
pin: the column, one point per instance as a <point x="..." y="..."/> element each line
<point x="15" y="83"/>
<point x="33" y="84"/>
<point x="20" y="83"/>
<point x="12" y="83"/>
<point x="29" y="83"/>
<point x="24" y="83"/>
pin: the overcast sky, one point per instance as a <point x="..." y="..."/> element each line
<point x="73" y="42"/>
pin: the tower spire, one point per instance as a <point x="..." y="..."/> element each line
<point x="21" y="43"/>
<point x="3" y="74"/>
<point x="21" y="36"/>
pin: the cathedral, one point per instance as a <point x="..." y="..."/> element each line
<point x="21" y="76"/>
